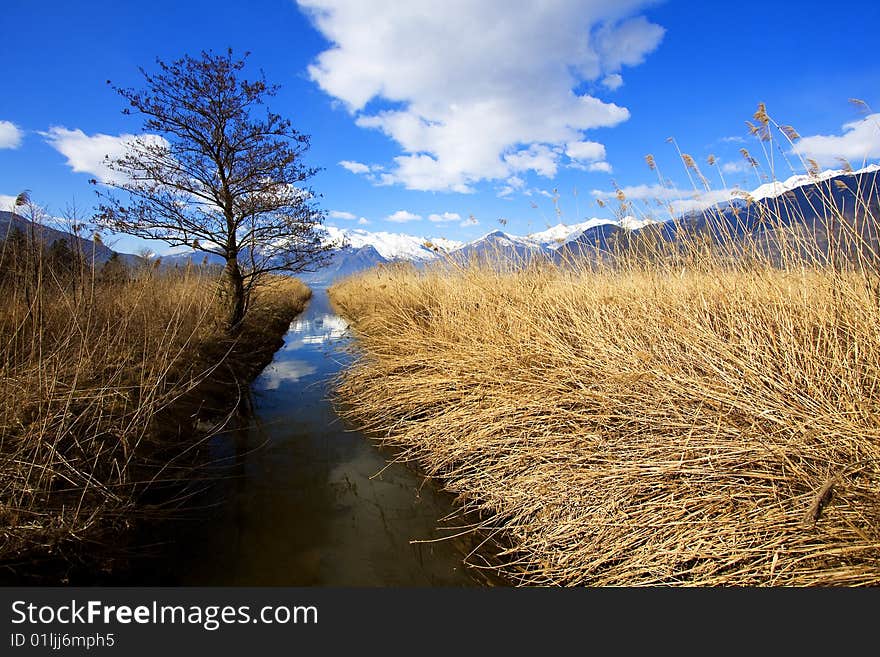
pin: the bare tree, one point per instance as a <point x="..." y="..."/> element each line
<point x="211" y="175"/>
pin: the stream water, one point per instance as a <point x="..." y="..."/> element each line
<point x="304" y="501"/>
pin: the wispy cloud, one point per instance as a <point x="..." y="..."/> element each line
<point x="348" y="216"/>
<point x="470" y="104"/>
<point x="734" y="167"/>
<point x="667" y="198"/>
<point x="514" y="183"/>
<point x="445" y="217"/>
<point x="613" y="82"/>
<point x="354" y="167"/>
<point x="603" y="167"/>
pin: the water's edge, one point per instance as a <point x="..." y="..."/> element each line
<point x="303" y="500"/>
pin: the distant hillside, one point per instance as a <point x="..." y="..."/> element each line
<point x="798" y="202"/>
<point x="499" y="244"/>
<point x="193" y="257"/>
<point x="344" y="262"/>
<point x="591" y="243"/>
<point x="48" y="235"/>
<point x="804" y="203"/>
<point x="798" y="215"/>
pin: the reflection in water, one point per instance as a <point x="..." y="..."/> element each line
<point x="315" y="331"/>
<point x="309" y="503"/>
<point x="289" y="371"/>
<point x="320" y="329"/>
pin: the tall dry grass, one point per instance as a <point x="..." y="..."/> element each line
<point x="91" y="356"/>
<point x="675" y="416"/>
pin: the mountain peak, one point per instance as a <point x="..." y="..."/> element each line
<point x="556" y="235"/>
<point x="777" y="187"/>
<point x="391" y="246"/>
<point x="385" y="246"/>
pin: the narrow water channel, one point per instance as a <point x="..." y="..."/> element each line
<point x="307" y="502"/>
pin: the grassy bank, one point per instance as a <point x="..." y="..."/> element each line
<point x="110" y="378"/>
<point x="644" y="422"/>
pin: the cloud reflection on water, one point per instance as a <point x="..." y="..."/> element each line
<point x="285" y="371"/>
<point x="314" y="331"/>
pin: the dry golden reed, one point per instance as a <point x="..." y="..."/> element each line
<point x="636" y="428"/>
<point x="89" y="356"/>
<point x="694" y="416"/>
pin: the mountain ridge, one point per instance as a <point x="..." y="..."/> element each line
<point x="358" y="249"/>
<point x="90" y="249"/>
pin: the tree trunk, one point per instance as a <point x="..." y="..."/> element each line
<point x="233" y="289"/>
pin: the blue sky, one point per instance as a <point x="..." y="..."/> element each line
<point x="453" y="110"/>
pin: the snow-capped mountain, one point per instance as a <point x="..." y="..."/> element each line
<point x="591" y="242"/>
<point x="803" y="209"/>
<point x="445" y="244"/>
<point x="358" y="249"/>
<point x="556" y="236"/>
<point x="547" y="241"/>
<point x="344" y="262"/>
<point x="391" y="246"/>
<point x="634" y="223"/>
<point x="499" y="244"/>
<point x="777" y="187"/>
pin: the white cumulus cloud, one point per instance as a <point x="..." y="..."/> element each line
<point x="585" y="150"/>
<point x="860" y="141"/>
<point x="588" y="156"/>
<point x="10" y="135"/>
<point x="402" y="216"/>
<point x="338" y="214"/>
<point x="90" y="154"/>
<point x="539" y="158"/>
<point x="603" y="167"/>
<point x="627" y="43"/>
<point x="473" y="90"/>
